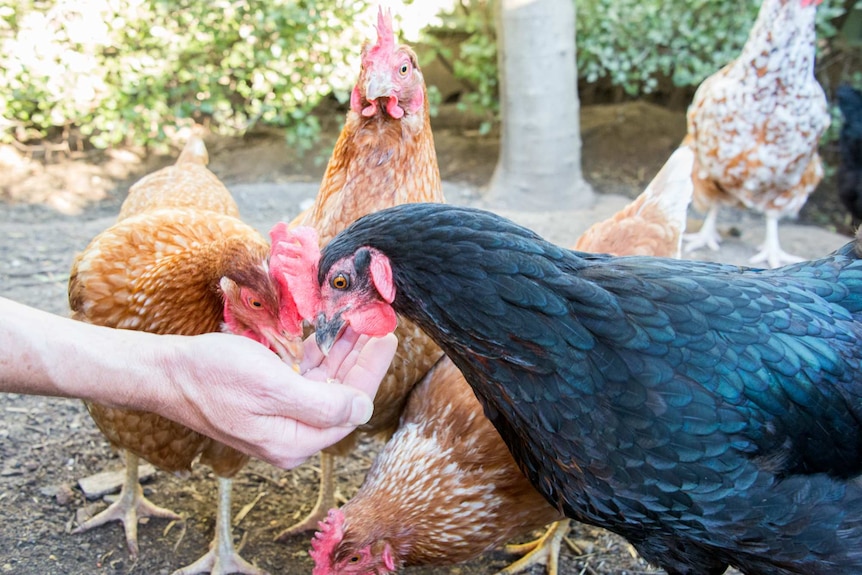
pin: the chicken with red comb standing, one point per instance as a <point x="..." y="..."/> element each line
<point x="384" y="156"/>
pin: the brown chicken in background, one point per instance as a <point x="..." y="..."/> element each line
<point x="179" y="261"/>
<point x="385" y="153"/>
<point x="755" y="126"/>
<point x="445" y="488"/>
<point x="384" y="156"/>
<point x="654" y="223"/>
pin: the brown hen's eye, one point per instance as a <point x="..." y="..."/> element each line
<point x="354" y="559"/>
<point x="404" y="69"/>
<point x="340" y="282"/>
<point x="254" y="303"/>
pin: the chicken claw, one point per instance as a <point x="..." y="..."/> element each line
<point x="128" y="508"/>
<point x="222" y="558"/>
<point x="325" y="501"/>
<point x="770" y="251"/>
<point x="543" y="551"/>
<point x="708" y="235"/>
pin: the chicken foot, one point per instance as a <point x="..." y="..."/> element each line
<point x="325" y="501"/>
<point x="543" y="551"/>
<point x="222" y="558"/>
<point x="770" y="251"/>
<point x="707" y="236"/>
<point x="128" y="508"/>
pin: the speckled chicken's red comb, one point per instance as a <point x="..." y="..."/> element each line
<point x="325" y="541"/>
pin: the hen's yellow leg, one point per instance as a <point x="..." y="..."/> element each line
<point x="543" y="551"/>
<point x="128" y="508"/>
<point x="222" y="558"/>
<point x="325" y="501"/>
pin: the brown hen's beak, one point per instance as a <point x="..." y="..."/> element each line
<point x="327" y="331"/>
<point x="378" y="86"/>
<point x="289" y="349"/>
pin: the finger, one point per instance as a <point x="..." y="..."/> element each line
<point x="322" y="404"/>
<point x="340" y="350"/>
<point x="300" y="443"/>
<point x="312" y="356"/>
<point x="370" y="365"/>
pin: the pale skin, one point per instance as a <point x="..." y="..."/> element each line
<point x="224" y="386"/>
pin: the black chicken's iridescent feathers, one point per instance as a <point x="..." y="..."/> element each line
<point x="709" y="413"/>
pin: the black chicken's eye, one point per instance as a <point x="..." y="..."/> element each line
<point x="340" y="282"/>
<point x="404" y="69"/>
<point x="354" y="559"/>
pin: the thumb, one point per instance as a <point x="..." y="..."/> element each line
<point x="324" y="404"/>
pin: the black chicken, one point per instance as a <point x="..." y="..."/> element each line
<point x="710" y="414"/>
<point x="850" y="147"/>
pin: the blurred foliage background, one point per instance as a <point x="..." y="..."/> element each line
<point x="102" y="73"/>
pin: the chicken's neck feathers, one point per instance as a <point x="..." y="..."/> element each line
<point x="378" y="162"/>
<point x="780" y="47"/>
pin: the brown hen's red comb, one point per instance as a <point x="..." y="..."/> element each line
<point x="293" y="262"/>
<point x="385" y="33"/>
<point x="326" y="540"/>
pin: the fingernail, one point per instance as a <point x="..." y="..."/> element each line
<point x="362" y="410"/>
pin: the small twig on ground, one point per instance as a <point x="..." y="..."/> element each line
<point x="183" y="527"/>
<point x="247" y="508"/>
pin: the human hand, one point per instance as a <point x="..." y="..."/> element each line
<point x="241" y="394"/>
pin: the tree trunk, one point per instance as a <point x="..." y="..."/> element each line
<point x="540" y="148"/>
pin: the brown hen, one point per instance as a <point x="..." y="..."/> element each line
<point x="445" y="488"/>
<point x="755" y="126"/>
<point x="384" y="156"/>
<point x="179" y="261"/>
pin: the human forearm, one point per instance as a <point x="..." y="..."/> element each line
<point x="227" y="387"/>
<point x="45" y="354"/>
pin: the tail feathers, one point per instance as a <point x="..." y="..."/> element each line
<point x="671" y="189"/>
<point x="195" y="151"/>
<point x="669" y="194"/>
<point x="654" y="222"/>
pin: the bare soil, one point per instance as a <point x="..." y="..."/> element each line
<point x="53" y="203"/>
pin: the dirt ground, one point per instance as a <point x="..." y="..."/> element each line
<point x="52" y="205"/>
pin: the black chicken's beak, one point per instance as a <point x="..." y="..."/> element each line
<point x="327" y="331"/>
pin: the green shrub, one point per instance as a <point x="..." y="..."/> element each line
<point x="134" y="70"/>
<point x="633" y="44"/>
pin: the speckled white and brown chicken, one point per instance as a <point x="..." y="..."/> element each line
<point x="179" y="261"/>
<point x="384" y="156"/>
<point x="755" y="126"/>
